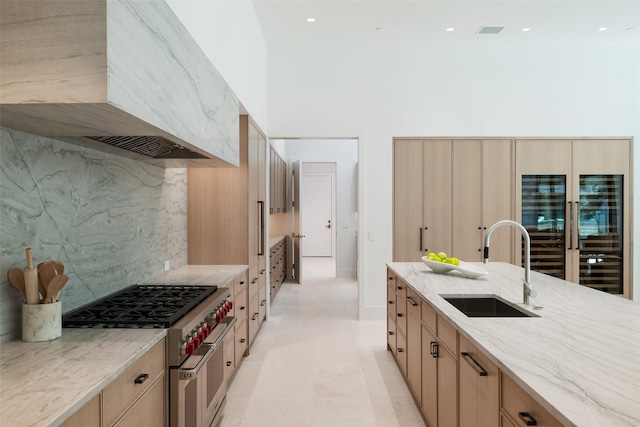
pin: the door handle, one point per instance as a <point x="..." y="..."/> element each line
<point x="329" y="224"/>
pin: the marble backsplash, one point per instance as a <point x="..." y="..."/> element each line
<point x="111" y="220"/>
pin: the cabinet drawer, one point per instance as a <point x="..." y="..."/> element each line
<point x="391" y="304"/>
<point x="240" y="283"/>
<point x="401" y="352"/>
<point x="448" y="335"/>
<point x="229" y="356"/>
<point x="254" y="316"/>
<point x="241" y="306"/>
<point x="262" y="299"/>
<point x="479" y="381"/>
<point x="87" y="416"/>
<point x="150" y="410"/>
<point x="519" y="406"/>
<point x="124" y="390"/>
<point x="240" y="341"/>
<point x="428" y="315"/>
<point x="401" y="314"/>
<point x="391" y="279"/>
<point x="401" y="288"/>
<point x="253" y="281"/>
<point x="391" y="334"/>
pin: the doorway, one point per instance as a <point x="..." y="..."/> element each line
<point x="313" y="157"/>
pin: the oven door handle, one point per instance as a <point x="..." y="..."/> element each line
<point x="191" y="374"/>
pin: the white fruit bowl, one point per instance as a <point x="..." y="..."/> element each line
<point x="468" y="270"/>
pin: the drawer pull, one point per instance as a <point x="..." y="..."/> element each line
<point x="390" y="302"/>
<point x="399" y="288"/>
<point x="413" y="303"/>
<point x="400" y="350"/>
<point x="390" y="332"/>
<point x="434" y="349"/>
<point x="527" y="419"/>
<point x="242" y="308"/>
<point x="229" y="363"/>
<point x="400" y="315"/>
<point x="242" y="282"/>
<point x="254" y="280"/>
<point x="141" y="378"/>
<point x="255" y="316"/>
<point x="264" y="301"/>
<point x="242" y="340"/>
<point x="474" y="364"/>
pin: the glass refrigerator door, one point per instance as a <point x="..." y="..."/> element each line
<point x="600" y="232"/>
<point x="543" y="215"/>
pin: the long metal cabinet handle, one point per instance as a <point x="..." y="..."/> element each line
<point x="413" y="303"/>
<point x="191" y="374"/>
<point x="420" y="231"/>
<point x="474" y="364"/>
<point x="570" y="226"/>
<point x="262" y="238"/>
<point x="577" y="245"/>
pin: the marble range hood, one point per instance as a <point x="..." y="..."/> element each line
<point x="111" y="74"/>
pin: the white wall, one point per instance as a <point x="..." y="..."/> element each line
<point x="345" y="154"/>
<point x="377" y="93"/>
<point x="230" y="35"/>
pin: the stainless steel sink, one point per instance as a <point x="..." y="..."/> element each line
<point x="486" y="306"/>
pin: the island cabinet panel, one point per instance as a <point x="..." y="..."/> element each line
<point x="124" y="391"/>
<point x="147" y="412"/>
<point x="87" y="416"/>
<point x="439" y="374"/>
<point x="414" y="344"/>
<point x="391" y="313"/>
<point x="521" y="408"/>
<point x="479" y="382"/>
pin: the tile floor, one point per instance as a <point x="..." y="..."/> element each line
<point x="313" y="364"/>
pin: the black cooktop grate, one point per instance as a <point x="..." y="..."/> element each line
<point x="139" y="306"/>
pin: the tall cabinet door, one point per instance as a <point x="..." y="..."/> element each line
<point x="253" y="178"/>
<point x="437" y="196"/>
<point x="407" y="201"/>
<point x="497" y="196"/>
<point x="467" y="200"/>
<point x="601" y="196"/>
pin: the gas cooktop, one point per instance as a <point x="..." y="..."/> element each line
<point x="139" y="306"/>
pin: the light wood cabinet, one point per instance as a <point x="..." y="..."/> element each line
<point x="439" y="378"/>
<point x="90" y="415"/>
<point x="278" y="183"/>
<point x="482" y="196"/>
<point x="479" y="382"/>
<point x="573" y="196"/>
<point x="236" y="339"/>
<point x="226" y="211"/>
<point x="521" y="409"/>
<point x="147" y="412"/>
<point x="125" y="390"/>
<point x="447" y="193"/>
<point x="278" y="263"/>
<point x="414" y="344"/>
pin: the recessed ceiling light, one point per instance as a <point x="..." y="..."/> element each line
<point x="379" y="28"/>
<point x="526" y="29"/>
<point x="630" y="29"/>
<point x="602" y="29"/>
<point x="450" y="29"/>
<point x="311" y="19"/>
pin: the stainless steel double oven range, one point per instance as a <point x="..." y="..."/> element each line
<point x="196" y="320"/>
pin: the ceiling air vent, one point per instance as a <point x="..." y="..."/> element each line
<point x="489" y="30"/>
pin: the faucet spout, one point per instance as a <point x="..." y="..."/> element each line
<point x="527" y="290"/>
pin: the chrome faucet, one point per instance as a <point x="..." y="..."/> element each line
<point x="527" y="290"/>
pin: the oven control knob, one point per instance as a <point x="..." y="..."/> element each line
<point x="209" y="327"/>
<point x="230" y="304"/>
<point x="218" y="317"/>
<point x="190" y="348"/>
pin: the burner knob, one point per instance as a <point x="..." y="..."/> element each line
<point x="209" y="327"/>
<point x="190" y="348"/>
<point x="218" y="317"/>
<point x="230" y="304"/>
<point x="201" y="336"/>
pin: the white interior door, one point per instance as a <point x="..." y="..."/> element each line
<point x="297" y="221"/>
<point x="317" y="204"/>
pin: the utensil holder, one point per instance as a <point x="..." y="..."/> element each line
<point x="41" y="322"/>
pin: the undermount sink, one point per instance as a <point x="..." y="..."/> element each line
<point x="486" y="306"/>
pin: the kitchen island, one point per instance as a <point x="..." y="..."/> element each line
<point x="579" y="358"/>
<point x="44" y="383"/>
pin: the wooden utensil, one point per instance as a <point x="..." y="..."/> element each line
<point x="31" y="280"/>
<point x="16" y="278"/>
<point x="46" y="271"/>
<point x="55" y="286"/>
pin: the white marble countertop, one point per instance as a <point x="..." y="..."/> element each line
<point x="43" y="383"/>
<point x="580" y="359"/>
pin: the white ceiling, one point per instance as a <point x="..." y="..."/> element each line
<point x="426" y="21"/>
